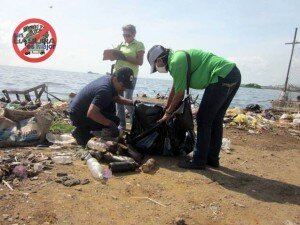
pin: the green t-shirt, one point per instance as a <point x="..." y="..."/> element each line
<point x="205" y="68"/>
<point x="131" y="50"/>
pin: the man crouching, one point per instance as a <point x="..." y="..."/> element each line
<point x="93" y="108"/>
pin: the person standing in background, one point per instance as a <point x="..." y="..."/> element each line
<point x="133" y="52"/>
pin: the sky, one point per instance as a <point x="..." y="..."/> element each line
<point x="250" y="33"/>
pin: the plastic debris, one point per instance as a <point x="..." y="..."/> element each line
<point x="107" y="174"/>
<point x="109" y="157"/>
<point x="296" y="121"/>
<point x="285" y="118"/>
<point x="234" y="112"/>
<point x="94" y="166"/>
<point x="241" y="119"/>
<point x="97" y="144"/>
<point x="38" y="167"/>
<point x="62" y="159"/>
<point x="226" y="144"/>
<point x="149" y="166"/>
<point x="252" y="132"/>
<point x="61" y="140"/>
<point x="20" y="171"/>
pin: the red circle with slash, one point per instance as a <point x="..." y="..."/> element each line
<point x="46" y="27"/>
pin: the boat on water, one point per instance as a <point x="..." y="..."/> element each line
<point x="90" y="72"/>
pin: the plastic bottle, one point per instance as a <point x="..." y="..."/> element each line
<point x="94" y="166"/>
<point x="123" y="166"/>
<point x="116" y="158"/>
<point x="62" y="159"/>
<point x="96" y="144"/>
<point x="134" y="154"/>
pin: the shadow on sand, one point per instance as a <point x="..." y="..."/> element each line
<point x="254" y="186"/>
<point x="260" y="188"/>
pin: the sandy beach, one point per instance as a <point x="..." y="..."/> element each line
<point x="258" y="183"/>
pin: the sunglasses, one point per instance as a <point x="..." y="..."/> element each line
<point x="127" y="35"/>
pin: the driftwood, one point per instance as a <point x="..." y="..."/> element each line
<point x="38" y="91"/>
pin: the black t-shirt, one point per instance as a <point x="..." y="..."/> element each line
<point x="99" y="92"/>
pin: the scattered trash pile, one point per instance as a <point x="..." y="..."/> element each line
<point x="22" y="105"/>
<point x="119" y="157"/>
<point x="27" y="123"/>
<point x="27" y="165"/>
<point x="256" y="120"/>
<point x="20" y="166"/>
<point x="32" y="124"/>
<point x="44" y="126"/>
<point x="23" y="128"/>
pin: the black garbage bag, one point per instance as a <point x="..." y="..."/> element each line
<point x="254" y="108"/>
<point x="149" y="137"/>
<point x="145" y="117"/>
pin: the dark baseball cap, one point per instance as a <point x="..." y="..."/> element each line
<point x="125" y="75"/>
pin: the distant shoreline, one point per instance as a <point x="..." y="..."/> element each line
<point x="292" y="88"/>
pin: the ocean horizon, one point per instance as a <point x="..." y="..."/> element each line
<point x="61" y="83"/>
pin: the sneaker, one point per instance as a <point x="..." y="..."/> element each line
<point x="81" y="137"/>
<point x="190" y="155"/>
<point x="191" y="164"/>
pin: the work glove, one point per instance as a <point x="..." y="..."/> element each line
<point x="110" y="132"/>
<point x="135" y="102"/>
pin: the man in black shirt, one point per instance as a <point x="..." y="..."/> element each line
<point x="94" y="109"/>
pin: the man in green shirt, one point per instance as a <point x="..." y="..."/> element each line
<point x="219" y="77"/>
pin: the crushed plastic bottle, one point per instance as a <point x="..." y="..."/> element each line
<point x="96" y="144"/>
<point x="62" y="159"/>
<point x="94" y="166"/>
<point x="226" y="143"/>
<point x="108" y="157"/>
<point x="38" y="167"/>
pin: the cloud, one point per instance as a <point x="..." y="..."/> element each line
<point x="6" y="32"/>
<point x="252" y="68"/>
